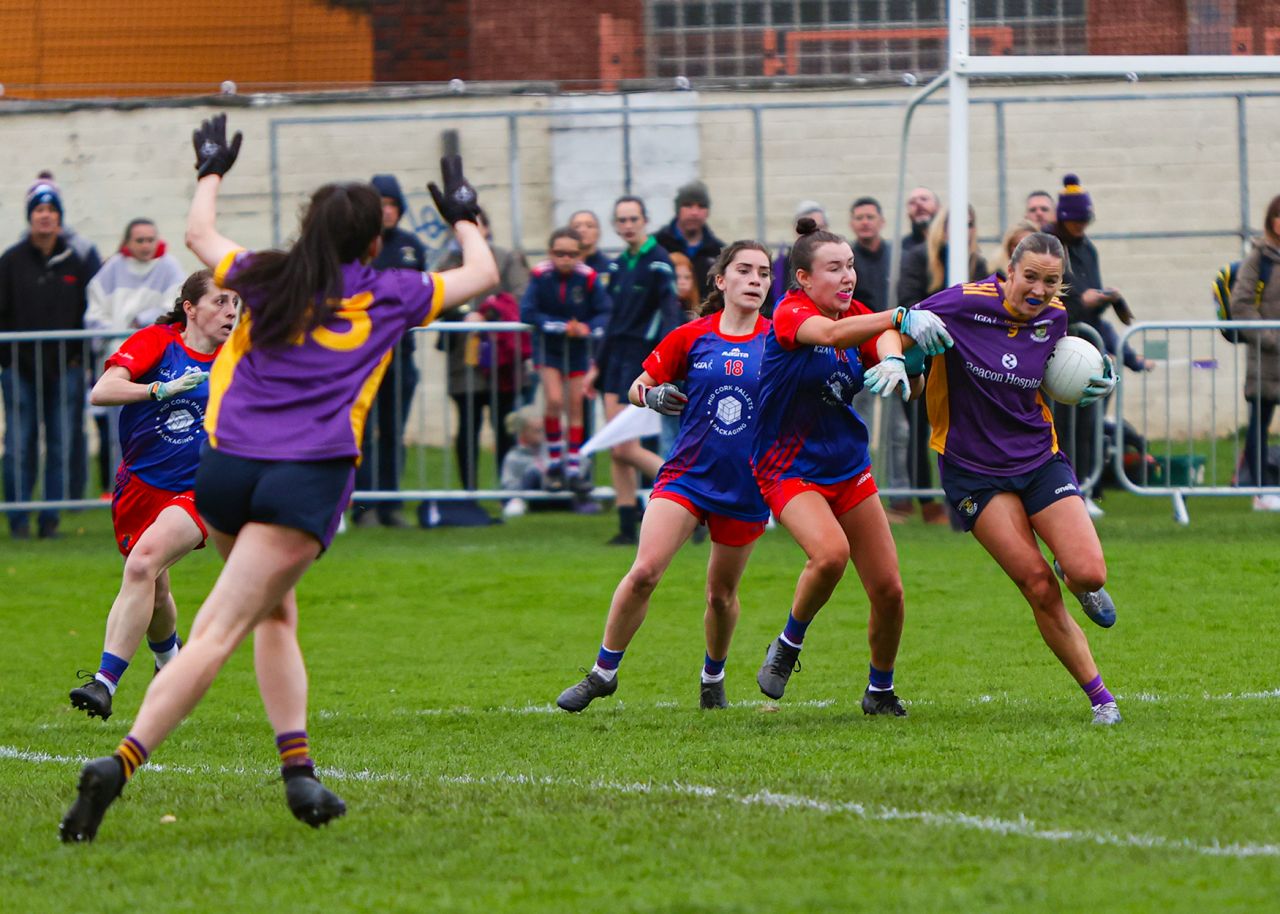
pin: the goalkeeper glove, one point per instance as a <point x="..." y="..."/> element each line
<point x="891" y="372"/>
<point x="458" y="201"/>
<point x="1100" y="386"/>
<point x="167" y="390"/>
<point x="926" y="328"/>
<point x="214" y="156"/>
<point x="665" y="398"/>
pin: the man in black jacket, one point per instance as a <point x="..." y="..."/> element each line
<point x="43" y="286"/>
<point x="689" y="234"/>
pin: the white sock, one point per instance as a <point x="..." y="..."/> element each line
<point x="707" y="677"/>
<point x="163" y="657"/>
<point x="606" y="675"/>
<point x="111" y="686"/>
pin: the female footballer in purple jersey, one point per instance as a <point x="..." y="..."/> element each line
<point x="158" y="375"/>
<point x="288" y="398"/>
<point x="998" y="452"/>
<point x="707" y="479"/>
<point x="811" y="458"/>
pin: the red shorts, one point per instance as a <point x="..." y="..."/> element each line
<point x="727" y="531"/>
<point x="136" y="505"/>
<point x="842" y="496"/>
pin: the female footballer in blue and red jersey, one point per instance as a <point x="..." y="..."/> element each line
<point x="289" y="394"/>
<point x="811" y="458"/>
<point x="707" y="479"/>
<point x="998" y="450"/>
<point x="567" y="304"/>
<point x="159" y="375"/>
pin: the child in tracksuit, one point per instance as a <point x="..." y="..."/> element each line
<point x="567" y="304"/>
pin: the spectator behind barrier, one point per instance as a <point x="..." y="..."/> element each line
<point x="44" y="281"/>
<point x="1262" y="381"/>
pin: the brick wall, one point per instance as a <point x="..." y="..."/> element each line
<point x="421" y="40"/>
<point x="503" y="40"/>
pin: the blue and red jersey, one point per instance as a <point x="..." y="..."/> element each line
<point x="160" y="441"/>
<point x="710" y="462"/>
<point x="808" y="428"/>
<point x="309" y="400"/>
<point x="984" y="399"/>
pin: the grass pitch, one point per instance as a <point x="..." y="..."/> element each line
<point x="435" y="657"/>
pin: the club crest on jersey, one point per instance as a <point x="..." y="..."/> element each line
<point x="968" y="507"/>
<point x="408" y="256"/>
<point x="839" y="389"/>
<point x="1040" y="333"/>
<point x="180" y="423"/>
<point x="731" y="409"/>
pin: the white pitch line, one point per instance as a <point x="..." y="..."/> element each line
<point x="1003" y="698"/>
<point x="1022" y="826"/>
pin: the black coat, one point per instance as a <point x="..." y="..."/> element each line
<point x="42" y="293"/>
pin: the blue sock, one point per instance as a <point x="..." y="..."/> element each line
<point x="712" y="670"/>
<point x="881" y="680"/>
<point x="110" y="671"/>
<point x="163" y="647"/>
<point x="607" y="659"/>
<point x="793" y="634"/>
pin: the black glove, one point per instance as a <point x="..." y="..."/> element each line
<point x="213" y="155"/>
<point x="457" y="203"/>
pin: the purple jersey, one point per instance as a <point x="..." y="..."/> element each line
<point x="309" y="400"/>
<point x="160" y="441"/>
<point x="710" y="462"/>
<point x="808" y="428"/>
<point x="985" y="405"/>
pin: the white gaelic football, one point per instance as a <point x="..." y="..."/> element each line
<point x="1071" y="364"/>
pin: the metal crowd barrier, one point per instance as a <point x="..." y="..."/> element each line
<point x="1172" y="434"/>
<point x="1189" y="444"/>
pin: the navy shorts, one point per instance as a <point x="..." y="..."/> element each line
<point x="970" y="492"/>
<point x="569" y="357"/>
<point x="624" y="363"/>
<point x="308" y="495"/>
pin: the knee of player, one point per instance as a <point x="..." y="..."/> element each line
<point x="644" y="577"/>
<point x="721" y="600"/>
<point x="142" y="566"/>
<point x="886" y="594"/>
<point x="1039" y="586"/>
<point x="830" y="562"/>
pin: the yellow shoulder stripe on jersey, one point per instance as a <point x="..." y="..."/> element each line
<point x="937" y="399"/>
<point x="220" y="272"/>
<point x="437" y="298"/>
<point x="220" y="375"/>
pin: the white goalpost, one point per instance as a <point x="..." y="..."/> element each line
<point x="961" y="67"/>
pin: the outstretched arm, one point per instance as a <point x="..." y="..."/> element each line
<point x="203" y="237"/>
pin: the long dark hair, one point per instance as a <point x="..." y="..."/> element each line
<point x="301" y="287"/>
<point x="715" y="298"/>
<point x="195" y="287"/>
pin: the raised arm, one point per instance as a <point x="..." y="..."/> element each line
<point x="214" y="158"/>
<point x="458" y="206"/>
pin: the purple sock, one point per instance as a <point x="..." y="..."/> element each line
<point x="1097" y="692"/>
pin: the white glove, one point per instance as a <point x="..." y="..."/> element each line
<point x="1100" y="386"/>
<point x="665" y="398"/>
<point x="167" y="390"/>
<point x="891" y="372"/>
<point x="928" y="330"/>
